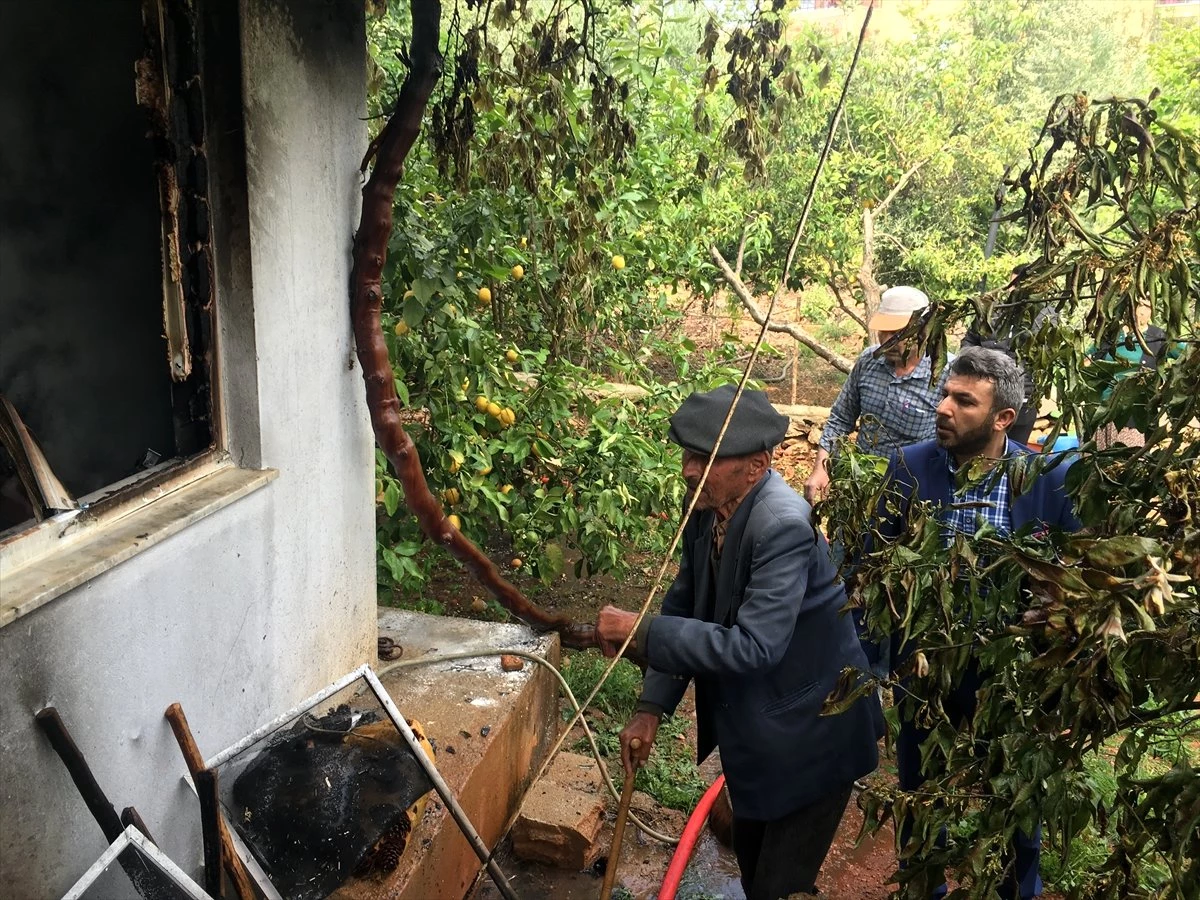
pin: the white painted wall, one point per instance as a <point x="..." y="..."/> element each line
<point x="247" y="612"/>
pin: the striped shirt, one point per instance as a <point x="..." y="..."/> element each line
<point x="889" y="410"/>
<point x="983" y="500"/>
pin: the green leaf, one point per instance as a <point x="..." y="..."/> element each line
<point x="414" y="312"/>
<point x="391" y="498"/>
<point x="423" y="289"/>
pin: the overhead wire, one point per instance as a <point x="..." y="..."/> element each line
<point x="695" y="494"/>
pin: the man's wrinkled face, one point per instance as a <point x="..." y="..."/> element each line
<point x="966" y="421"/>
<point x="729" y="479"/>
<point x="899" y="353"/>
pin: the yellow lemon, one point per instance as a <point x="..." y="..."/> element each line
<point x="507" y="416"/>
<point x="512" y="356"/>
<point x="481" y="403"/>
<point x="401" y="328"/>
<point x="523" y="243"/>
<point x="618" y="262"/>
<point x="485" y="295"/>
<point x="454" y="466"/>
<point x="506" y="489"/>
<point x="494" y="410"/>
<point x="451" y="496"/>
<point x="485" y="471"/>
<point x="518" y="272"/>
<point x="455" y="521"/>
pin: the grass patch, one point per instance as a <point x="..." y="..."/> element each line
<point x="1075" y="869"/>
<point x="670" y="776"/>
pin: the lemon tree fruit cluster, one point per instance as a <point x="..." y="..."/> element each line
<point x="531" y="470"/>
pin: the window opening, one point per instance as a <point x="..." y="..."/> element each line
<point x="106" y="266"/>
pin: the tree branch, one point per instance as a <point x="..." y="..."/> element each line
<point x="840" y="296"/>
<point x="894" y="241"/>
<point x="904" y="179"/>
<point x="388" y="151"/>
<point x="741" y="254"/>
<point x="743" y="294"/>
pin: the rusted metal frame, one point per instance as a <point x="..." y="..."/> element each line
<point x="371" y="681"/>
<point x="146" y="849"/>
<point x="284" y="718"/>
<point x="385" y="156"/>
<point x="440" y="785"/>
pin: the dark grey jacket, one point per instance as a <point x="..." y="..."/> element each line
<point x="766" y="657"/>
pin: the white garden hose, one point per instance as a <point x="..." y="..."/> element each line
<point x="533" y="657"/>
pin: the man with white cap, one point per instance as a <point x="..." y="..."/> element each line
<point x="887" y="395"/>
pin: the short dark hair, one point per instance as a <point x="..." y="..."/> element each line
<point x="1007" y="378"/>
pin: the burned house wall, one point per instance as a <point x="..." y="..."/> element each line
<point x="259" y="604"/>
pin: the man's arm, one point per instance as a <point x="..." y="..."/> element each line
<point x="843" y="416"/>
<point x="661" y="692"/>
<point x="765" y="621"/>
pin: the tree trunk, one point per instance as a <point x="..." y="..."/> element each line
<point x="389" y="150"/>
<point x="866" y="272"/>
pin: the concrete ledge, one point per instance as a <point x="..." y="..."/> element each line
<point x="492" y="730"/>
<point x="78" y="555"/>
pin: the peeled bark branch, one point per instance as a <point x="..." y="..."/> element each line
<point x="840" y="296"/>
<point x="743" y="294"/>
<point x="388" y="151"/>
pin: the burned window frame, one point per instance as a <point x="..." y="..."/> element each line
<point x="167" y="85"/>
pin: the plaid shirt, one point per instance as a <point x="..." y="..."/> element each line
<point x="984" y="500"/>
<point x="889" y="410"/>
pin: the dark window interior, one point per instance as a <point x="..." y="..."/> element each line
<point x="83" y="357"/>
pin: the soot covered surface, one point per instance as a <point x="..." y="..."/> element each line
<point x="328" y="799"/>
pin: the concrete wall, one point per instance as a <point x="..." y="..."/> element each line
<point x="243" y="614"/>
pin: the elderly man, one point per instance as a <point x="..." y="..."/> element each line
<point x="753" y="617"/>
<point x="887" y="395"/>
<point x="982" y="393"/>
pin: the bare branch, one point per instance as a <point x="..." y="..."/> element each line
<point x="743" y="294"/>
<point x="840" y="296"/>
<point x="742" y="249"/>
<point x="904" y="179"/>
<point x="894" y="241"/>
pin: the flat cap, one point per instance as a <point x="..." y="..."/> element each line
<point x="756" y="425"/>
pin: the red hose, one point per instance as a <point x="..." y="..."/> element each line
<point x="687" y="841"/>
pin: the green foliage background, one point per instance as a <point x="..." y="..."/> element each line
<point x="565" y="135"/>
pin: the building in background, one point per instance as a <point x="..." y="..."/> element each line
<point x="175" y="225"/>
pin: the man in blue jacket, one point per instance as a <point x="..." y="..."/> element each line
<point x="753" y="618"/>
<point x="980" y="399"/>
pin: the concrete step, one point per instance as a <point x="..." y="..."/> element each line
<point x="491" y="729"/>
